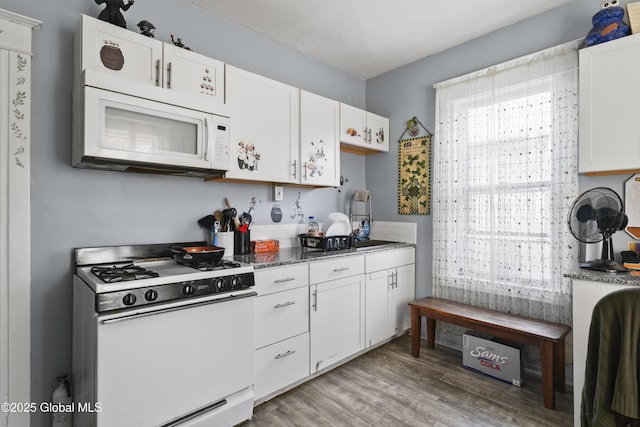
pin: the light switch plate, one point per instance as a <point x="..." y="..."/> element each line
<point x="278" y="193"/>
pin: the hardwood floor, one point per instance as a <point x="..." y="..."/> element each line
<point x="388" y="387"/>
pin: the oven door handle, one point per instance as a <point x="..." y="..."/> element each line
<point x="178" y="308"/>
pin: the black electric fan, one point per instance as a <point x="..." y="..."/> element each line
<point x="594" y="216"/>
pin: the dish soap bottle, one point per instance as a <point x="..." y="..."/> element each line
<point x="313" y="229"/>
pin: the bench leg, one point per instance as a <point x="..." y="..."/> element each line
<point x="546" y="362"/>
<point x="431" y="333"/>
<point x="558" y="366"/>
<point x="416" y="324"/>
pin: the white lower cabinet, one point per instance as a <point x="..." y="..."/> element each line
<point x="390" y="286"/>
<point x="336" y="320"/>
<point x="314" y="315"/>
<point x="281" y="328"/>
<point x="281" y="364"/>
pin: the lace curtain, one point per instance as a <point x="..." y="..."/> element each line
<point x="505" y="174"/>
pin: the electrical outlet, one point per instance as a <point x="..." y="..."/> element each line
<point x="278" y="193"/>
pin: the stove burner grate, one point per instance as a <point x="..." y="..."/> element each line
<point x="220" y="265"/>
<point x="116" y="274"/>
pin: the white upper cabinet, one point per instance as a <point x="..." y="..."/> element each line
<point x="319" y="140"/>
<point x="378" y="132"/>
<point x="363" y="130"/>
<point x="189" y="72"/>
<point x="353" y="125"/>
<point x="265" y="138"/>
<point x="609" y="92"/>
<point x="116" y="51"/>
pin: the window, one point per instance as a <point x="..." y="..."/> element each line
<point x="505" y="175"/>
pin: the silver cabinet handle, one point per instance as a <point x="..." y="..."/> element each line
<point x="288" y="279"/>
<point x="157" y="72"/>
<point x="169" y="75"/>
<point x="369" y="133"/>
<point x="284" y="304"/>
<point x="285" y="354"/>
<point x="304" y="168"/>
<point x="295" y="172"/>
<point x="338" y="270"/>
<point x="315" y="300"/>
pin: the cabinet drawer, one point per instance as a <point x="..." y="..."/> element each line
<point x="336" y="268"/>
<point x="281" y="315"/>
<point x="384" y="260"/>
<point x="281" y="278"/>
<point x="281" y="364"/>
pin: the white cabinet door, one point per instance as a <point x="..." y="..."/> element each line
<point x="379" y="287"/>
<point x="388" y="293"/>
<point x="116" y="51"/>
<point x="319" y="140"/>
<point x="609" y="91"/>
<point x="265" y="136"/>
<point x="353" y="125"/>
<point x="364" y="130"/>
<point x="194" y="74"/>
<point x="337" y="320"/>
<point x="403" y="293"/>
<point x="378" y="132"/>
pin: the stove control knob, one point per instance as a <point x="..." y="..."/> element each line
<point x="151" y="295"/>
<point x="189" y="290"/>
<point x="235" y="281"/>
<point x="220" y="284"/>
<point x="129" y="299"/>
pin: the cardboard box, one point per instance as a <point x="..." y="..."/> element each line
<point x="633" y="13"/>
<point x="484" y="354"/>
<point x="261" y="246"/>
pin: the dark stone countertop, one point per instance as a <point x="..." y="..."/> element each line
<point x="296" y="255"/>
<point x="598" y="276"/>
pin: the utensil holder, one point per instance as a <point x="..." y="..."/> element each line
<point x="241" y="242"/>
<point x="225" y="240"/>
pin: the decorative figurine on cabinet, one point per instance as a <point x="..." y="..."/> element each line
<point x="111" y="12"/>
<point x="607" y="24"/>
<point x="178" y="42"/>
<point x="146" y="28"/>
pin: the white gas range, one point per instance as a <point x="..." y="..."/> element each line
<point x="157" y="343"/>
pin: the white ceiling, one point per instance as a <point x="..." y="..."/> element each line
<point x="370" y="37"/>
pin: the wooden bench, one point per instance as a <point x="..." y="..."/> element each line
<point x="546" y="335"/>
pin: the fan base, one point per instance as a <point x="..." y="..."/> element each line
<point x="606" y="266"/>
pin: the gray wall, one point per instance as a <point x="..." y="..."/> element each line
<point x="78" y="208"/>
<point x="407" y="92"/>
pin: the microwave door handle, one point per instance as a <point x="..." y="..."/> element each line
<point x="206" y="139"/>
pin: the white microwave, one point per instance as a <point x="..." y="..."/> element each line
<point x="119" y="125"/>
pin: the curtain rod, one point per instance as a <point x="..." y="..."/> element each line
<point x="572" y="45"/>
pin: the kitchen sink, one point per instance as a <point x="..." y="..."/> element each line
<point x="364" y="244"/>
